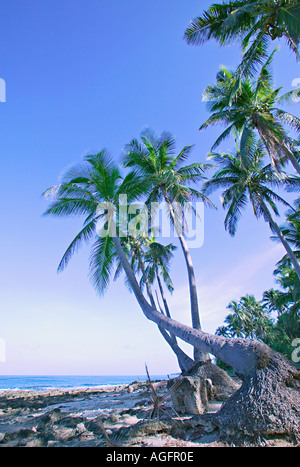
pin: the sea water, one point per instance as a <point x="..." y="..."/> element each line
<point x="43" y="383"/>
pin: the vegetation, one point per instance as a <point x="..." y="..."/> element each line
<point x="253" y="23"/>
<point x="256" y="335"/>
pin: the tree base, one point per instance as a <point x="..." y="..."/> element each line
<point x="267" y="405"/>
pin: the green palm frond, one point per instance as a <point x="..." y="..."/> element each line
<point x="85" y="235"/>
<point x="102" y="262"/>
<point x="66" y="207"/>
<point x="249" y="22"/>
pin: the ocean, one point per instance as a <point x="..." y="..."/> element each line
<point x="43" y="383"/>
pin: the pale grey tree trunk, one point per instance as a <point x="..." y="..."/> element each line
<point x="184" y="361"/>
<point x="161" y="289"/>
<point x="241" y="354"/>
<point x="198" y="355"/>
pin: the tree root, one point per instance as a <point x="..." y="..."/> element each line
<point x="267" y="405"/>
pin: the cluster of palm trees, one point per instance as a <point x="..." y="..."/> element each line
<point x="256" y="171"/>
<point x="246" y="101"/>
<point x="155" y="173"/>
<point x="274" y="319"/>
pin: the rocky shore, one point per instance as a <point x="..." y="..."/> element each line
<point x="116" y="416"/>
<point x="135" y="415"/>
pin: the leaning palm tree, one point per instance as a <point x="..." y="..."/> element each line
<point x="170" y="180"/>
<point x="94" y="190"/>
<point x="245" y="178"/>
<point x="256" y="106"/>
<point x="254" y="23"/>
<point x="269" y="384"/>
<point x="135" y="248"/>
<point x="158" y="259"/>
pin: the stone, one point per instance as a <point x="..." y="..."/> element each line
<point x="223" y="385"/>
<point x="190" y="394"/>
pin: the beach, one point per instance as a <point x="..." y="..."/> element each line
<point x="104" y="417"/>
<point x="116" y="416"/>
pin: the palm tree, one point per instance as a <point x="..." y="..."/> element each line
<point x="245" y="178"/>
<point x="99" y="183"/>
<point x="157" y="260"/>
<point x="94" y="190"/>
<point x="254" y="106"/>
<point x="248" y="319"/>
<point x="286" y="303"/>
<point x="135" y="248"/>
<point x="253" y="22"/>
<point x="154" y="160"/>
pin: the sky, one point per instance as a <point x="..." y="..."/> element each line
<point x="83" y="75"/>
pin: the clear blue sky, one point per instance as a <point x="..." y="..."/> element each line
<point x="82" y="75"/>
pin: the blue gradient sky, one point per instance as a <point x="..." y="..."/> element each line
<point x="82" y="75"/>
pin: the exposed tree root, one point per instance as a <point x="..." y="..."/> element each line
<point x="267" y="405"/>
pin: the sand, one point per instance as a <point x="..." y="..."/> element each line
<point x="119" y="416"/>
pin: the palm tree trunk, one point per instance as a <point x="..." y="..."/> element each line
<point x="270" y="382"/>
<point x="190" y="362"/>
<point x="275" y="227"/>
<point x="184" y="361"/>
<point x="166" y="306"/>
<point x="240" y="354"/>
<point x="198" y="355"/>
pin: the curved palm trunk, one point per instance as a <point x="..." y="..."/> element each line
<point x="283" y="240"/>
<point x="198" y="355"/>
<point x="184" y="361"/>
<point x="269" y="399"/>
<point x="189" y="362"/>
<point x="161" y="289"/>
<point x="240" y="354"/>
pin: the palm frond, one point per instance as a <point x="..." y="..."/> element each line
<point x="102" y="261"/>
<point x="84" y="235"/>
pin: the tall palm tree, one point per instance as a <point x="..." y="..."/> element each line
<point x="254" y="106"/>
<point x="94" y="190"/>
<point x="254" y="23"/>
<point x="245" y="178"/>
<point x="99" y="181"/>
<point x="169" y="180"/>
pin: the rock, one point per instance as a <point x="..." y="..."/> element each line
<point x="223" y="385"/>
<point x="114" y="418"/>
<point x="190" y="394"/>
<point x="130" y="389"/>
<point x="146" y="428"/>
<point x="64" y="434"/>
